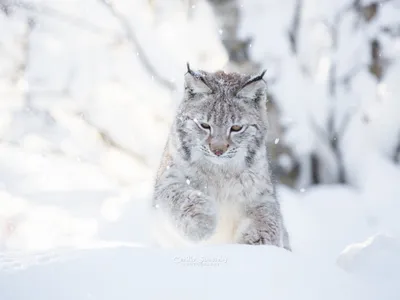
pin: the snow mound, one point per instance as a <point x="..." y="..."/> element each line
<point x="377" y="258"/>
<point x="217" y="272"/>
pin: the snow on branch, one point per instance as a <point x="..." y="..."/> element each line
<point x="47" y="11"/>
<point x="131" y="36"/>
<point x="396" y="156"/>
<point x="21" y="72"/>
<point x="295" y="26"/>
<point x="109" y="141"/>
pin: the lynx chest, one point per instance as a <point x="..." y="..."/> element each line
<point x="228" y="196"/>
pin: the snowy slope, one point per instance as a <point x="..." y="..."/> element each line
<point x="320" y="267"/>
<point x="227" y="272"/>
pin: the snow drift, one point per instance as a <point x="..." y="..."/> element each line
<point x="223" y="272"/>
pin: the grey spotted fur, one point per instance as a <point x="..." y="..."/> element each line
<point x="204" y="198"/>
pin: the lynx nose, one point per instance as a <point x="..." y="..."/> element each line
<point x="218" y="148"/>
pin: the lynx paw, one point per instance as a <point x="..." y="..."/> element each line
<point x="252" y="234"/>
<point x="199" y="217"/>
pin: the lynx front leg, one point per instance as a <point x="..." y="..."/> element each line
<point x="189" y="210"/>
<point x="261" y="226"/>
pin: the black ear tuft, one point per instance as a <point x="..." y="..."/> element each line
<point x="255" y="79"/>
<point x="262" y="74"/>
<point x="188" y="68"/>
<point x="195" y="81"/>
<point x="254" y="88"/>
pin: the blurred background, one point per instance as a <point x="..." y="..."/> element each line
<point x="88" y="90"/>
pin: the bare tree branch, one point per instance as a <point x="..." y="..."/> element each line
<point x="82" y="23"/>
<point x="135" y="43"/>
<point x="26" y="47"/>
<point x="109" y="141"/>
<point x="41" y="9"/>
<point x="396" y="155"/>
<point x="328" y="154"/>
<point x="344" y="124"/>
<point x="29" y="94"/>
<point x="295" y="26"/>
<point x="23" y="77"/>
<point x="346" y="78"/>
<point x="392" y="30"/>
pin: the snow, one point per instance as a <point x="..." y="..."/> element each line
<point x="374" y="259"/>
<point x="202" y="273"/>
<point x="82" y="129"/>
<point x="378" y="254"/>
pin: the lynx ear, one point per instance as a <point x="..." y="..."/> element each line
<point x="255" y="88"/>
<point x="195" y="82"/>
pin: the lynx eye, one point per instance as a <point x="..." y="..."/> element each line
<point x="205" y="126"/>
<point x="236" y="128"/>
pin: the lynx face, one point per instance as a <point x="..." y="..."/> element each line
<point x="222" y="117"/>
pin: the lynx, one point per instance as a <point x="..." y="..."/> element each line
<point x="214" y="184"/>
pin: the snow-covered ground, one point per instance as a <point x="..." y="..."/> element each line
<point x="224" y="272"/>
<point x="83" y="123"/>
